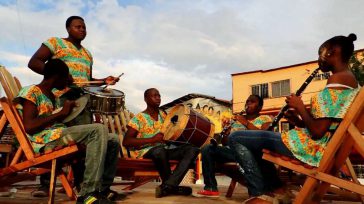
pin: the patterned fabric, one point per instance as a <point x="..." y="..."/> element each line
<point x="147" y="127"/>
<point x="329" y="103"/>
<point x="79" y="61"/>
<point x="45" y="108"/>
<point x="257" y="122"/>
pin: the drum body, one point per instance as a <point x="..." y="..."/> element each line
<point x="108" y="101"/>
<point x="183" y="124"/>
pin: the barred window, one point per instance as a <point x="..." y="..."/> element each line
<point x="260" y="90"/>
<point x="322" y="76"/>
<point x="281" y="88"/>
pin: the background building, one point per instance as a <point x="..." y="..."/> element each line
<point x="275" y="84"/>
<point x="209" y="106"/>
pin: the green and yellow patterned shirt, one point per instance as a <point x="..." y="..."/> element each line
<point x="79" y="61"/>
<point x="257" y="122"/>
<point x="147" y="127"/>
<point x="45" y="108"/>
<point x="328" y="103"/>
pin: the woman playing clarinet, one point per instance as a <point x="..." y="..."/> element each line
<point x="212" y="154"/>
<point x="314" y="127"/>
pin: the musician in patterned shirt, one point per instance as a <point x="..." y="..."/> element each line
<point x="79" y="61"/>
<point x="212" y="154"/>
<point x="36" y="105"/>
<point x="308" y="140"/>
<point x="144" y="136"/>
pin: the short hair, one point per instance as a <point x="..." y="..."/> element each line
<point x="71" y="18"/>
<point x="260" y="99"/>
<point x="146" y="92"/>
<point x="345" y="43"/>
<point x="55" y="67"/>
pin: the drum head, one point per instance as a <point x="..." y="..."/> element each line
<point x="175" y="122"/>
<point x="80" y="105"/>
<point x="99" y="91"/>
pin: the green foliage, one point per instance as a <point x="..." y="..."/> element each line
<point x="357" y="66"/>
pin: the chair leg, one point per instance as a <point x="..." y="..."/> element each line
<point x="67" y="187"/>
<point x="353" y="176"/>
<point x="305" y="194"/>
<point x="231" y="188"/>
<point x="53" y="181"/>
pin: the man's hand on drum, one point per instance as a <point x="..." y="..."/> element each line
<point x="158" y="138"/>
<point x="111" y="80"/>
<point x="67" y="107"/>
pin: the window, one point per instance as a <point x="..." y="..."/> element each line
<point x="260" y="90"/>
<point x="322" y="76"/>
<point x="281" y="88"/>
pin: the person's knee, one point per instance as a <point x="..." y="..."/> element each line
<point x="157" y="152"/>
<point x="113" y="138"/>
<point x="206" y="150"/>
<point x="191" y="151"/>
<point x="232" y="139"/>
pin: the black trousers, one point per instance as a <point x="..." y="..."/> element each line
<point x="186" y="154"/>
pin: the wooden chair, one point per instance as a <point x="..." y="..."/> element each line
<point x="42" y="163"/>
<point x="25" y="157"/>
<point x="137" y="171"/>
<point x="322" y="179"/>
<point x="11" y="86"/>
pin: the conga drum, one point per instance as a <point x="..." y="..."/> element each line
<point x="184" y="125"/>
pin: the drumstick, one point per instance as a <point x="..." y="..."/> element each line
<point x="89" y="82"/>
<point x="112" y="81"/>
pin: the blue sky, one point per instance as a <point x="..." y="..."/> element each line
<point x="178" y="46"/>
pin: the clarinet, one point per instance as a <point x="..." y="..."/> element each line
<point x="298" y="93"/>
<point x="225" y="129"/>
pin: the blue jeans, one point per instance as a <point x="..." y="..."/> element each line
<point x="210" y="155"/>
<point x="260" y="175"/>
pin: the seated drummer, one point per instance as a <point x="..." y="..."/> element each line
<point x="145" y="138"/>
<point x="211" y="154"/>
<point x="45" y="130"/>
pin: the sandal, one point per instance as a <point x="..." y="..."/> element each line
<point x="270" y="199"/>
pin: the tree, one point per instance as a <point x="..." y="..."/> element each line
<point x="357" y="66"/>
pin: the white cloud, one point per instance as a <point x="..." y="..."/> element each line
<point x="179" y="47"/>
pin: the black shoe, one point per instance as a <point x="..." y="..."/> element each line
<point x="92" y="198"/>
<point x="182" y="190"/>
<point x="112" y="195"/>
<point x="163" y="190"/>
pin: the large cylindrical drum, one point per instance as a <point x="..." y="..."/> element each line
<point x="183" y="124"/>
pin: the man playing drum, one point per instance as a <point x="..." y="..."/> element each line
<point x="36" y="104"/>
<point x="145" y="137"/>
<point x="79" y="61"/>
